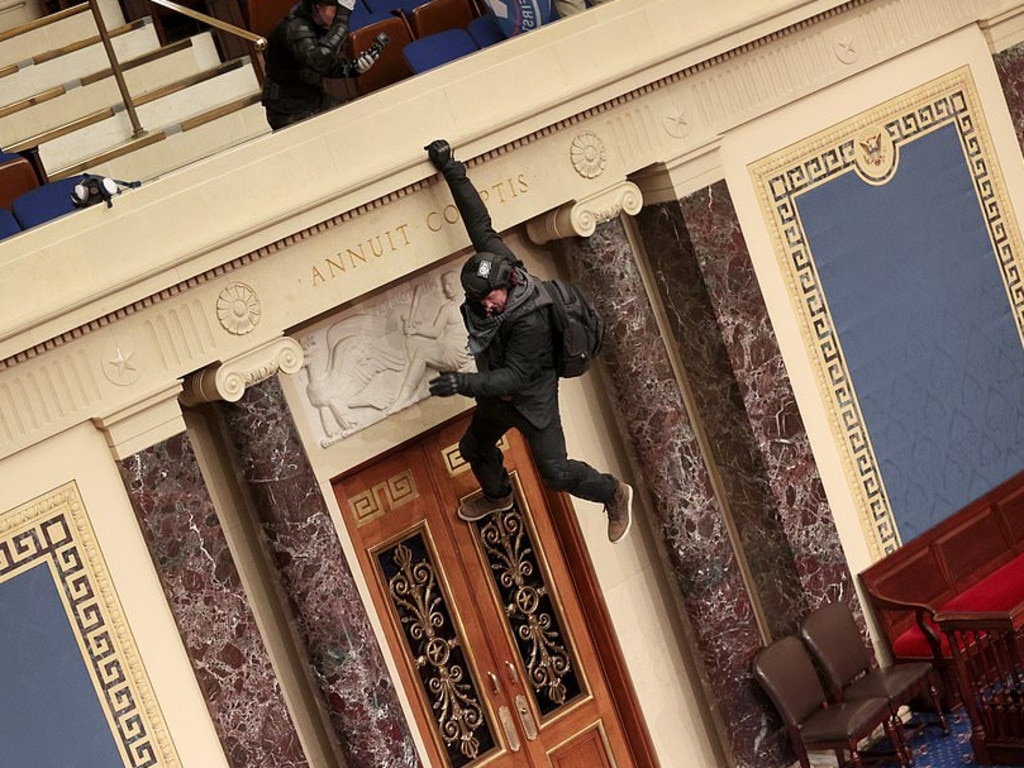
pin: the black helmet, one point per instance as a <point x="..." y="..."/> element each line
<point x="483" y="272"/>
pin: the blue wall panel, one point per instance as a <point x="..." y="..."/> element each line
<point x="928" y="334"/>
<point x="46" y="687"/>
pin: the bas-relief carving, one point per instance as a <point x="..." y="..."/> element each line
<point x="238" y="309"/>
<point x="374" y="360"/>
<point x="639" y="128"/>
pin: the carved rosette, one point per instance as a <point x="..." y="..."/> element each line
<point x="238" y="309"/>
<point x="227" y="381"/>
<point x="588" y="154"/>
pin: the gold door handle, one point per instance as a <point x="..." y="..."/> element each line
<point x="526" y="718"/>
<point x="509" y="726"/>
<point x="512" y="676"/>
<point x="494" y="682"/>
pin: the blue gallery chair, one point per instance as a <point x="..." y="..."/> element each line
<point x="434" y="50"/>
<point x="8" y="224"/>
<point x="485" y="30"/>
<point x="433" y="16"/>
<point x="17" y="176"/>
<point x="362" y="16"/>
<point x="45" y="202"/>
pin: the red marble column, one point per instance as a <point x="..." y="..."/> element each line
<point x="205" y="594"/>
<point x="677" y="477"/>
<point x="1010" y="68"/>
<point x="329" y="616"/>
<point x="718" y="403"/>
<point x="796" y="498"/>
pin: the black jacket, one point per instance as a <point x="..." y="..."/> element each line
<point x="519" y="363"/>
<point x="300" y="54"/>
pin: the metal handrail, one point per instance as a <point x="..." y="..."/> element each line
<point x="258" y="41"/>
<point x="115" y="67"/>
<point x="257" y="44"/>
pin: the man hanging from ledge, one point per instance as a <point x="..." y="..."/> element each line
<point x="510" y="336"/>
<point x="304" y="48"/>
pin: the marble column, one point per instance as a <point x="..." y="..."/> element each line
<point x="676" y="476"/>
<point x="330" y="618"/>
<point x="1010" y="68"/>
<point x="720" y="323"/>
<point x="210" y="606"/>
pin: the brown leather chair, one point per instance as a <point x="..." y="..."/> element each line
<point x="17" y="176"/>
<point x="391" y="66"/>
<point x="786" y="672"/>
<point x="849" y="668"/>
<point x="261" y="16"/>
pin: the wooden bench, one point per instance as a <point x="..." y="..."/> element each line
<point x="952" y="566"/>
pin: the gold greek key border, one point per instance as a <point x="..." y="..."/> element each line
<point x="455" y="464"/>
<point x="54" y="529"/>
<point x="390" y="494"/>
<point x="780" y="178"/>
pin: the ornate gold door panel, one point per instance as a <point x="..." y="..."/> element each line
<point x="493" y="648"/>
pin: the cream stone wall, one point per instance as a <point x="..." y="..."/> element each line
<point x="109" y="309"/>
<point x="639" y="598"/>
<point x="81" y="455"/>
<point x="751" y="142"/>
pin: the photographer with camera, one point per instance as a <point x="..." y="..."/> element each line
<point x="304" y="48"/>
<point x="508" y="319"/>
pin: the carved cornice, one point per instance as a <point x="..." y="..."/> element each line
<point x="143" y="423"/>
<point x="228" y="381"/>
<point x="572" y="122"/>
<point x="580" y="219"/>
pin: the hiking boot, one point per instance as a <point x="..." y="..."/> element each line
<point x="481" y="506"/>
<point x="620" y="513"/>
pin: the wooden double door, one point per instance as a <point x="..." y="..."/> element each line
<point x="493" y="647"/>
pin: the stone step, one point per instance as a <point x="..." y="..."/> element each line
<point x="162" y="107"/>
<point x="23" y="40"/>
<point x="73" y="62"/>
<point x="62" y="104"/>
<point x="176" y="146"/>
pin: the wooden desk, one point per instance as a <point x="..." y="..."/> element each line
<point x="988" y="656"/>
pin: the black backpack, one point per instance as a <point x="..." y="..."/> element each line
<point x="578" y="328"/>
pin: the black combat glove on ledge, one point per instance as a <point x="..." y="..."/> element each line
<point x="440" y="153"/>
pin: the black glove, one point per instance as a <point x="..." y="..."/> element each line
<point x="440" y="153"/>
<point x="446" y="384"/>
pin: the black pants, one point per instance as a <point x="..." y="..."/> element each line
<point x="492" y="419"/>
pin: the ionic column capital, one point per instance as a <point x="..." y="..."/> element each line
<point x="228" y="380"/>
<point x="580" y="218"/>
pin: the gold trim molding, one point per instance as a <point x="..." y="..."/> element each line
<point x="868" y="145"/>
<point x="54" y="529"/>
